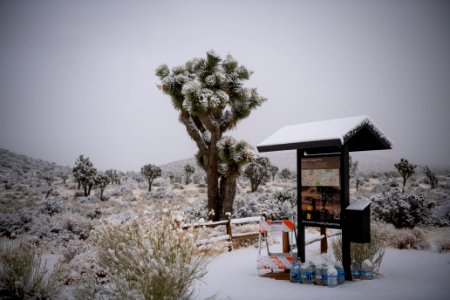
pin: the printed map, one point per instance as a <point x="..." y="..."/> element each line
<point x="320" y="177"/>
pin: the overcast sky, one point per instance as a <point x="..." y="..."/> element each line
<point x="77" y="77"/>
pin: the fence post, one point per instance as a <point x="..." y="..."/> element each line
<point x="229" y="232"/>
<point x="323" y="242"/>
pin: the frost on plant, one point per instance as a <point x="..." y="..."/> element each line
<point x="23" y="274"/>
<point x="401" y="209"/>
<point x="155" y="261"/>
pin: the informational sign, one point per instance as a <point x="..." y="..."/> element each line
<point x="321" y="191"/>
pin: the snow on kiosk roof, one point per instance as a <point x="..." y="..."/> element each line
<point x="359" y="133"/>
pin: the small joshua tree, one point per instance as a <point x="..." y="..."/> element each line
<point x="171" y="177"/>
<point x="406" y="170"/>
<point x="102" y="181"/>
<point x="151" y="172"/>
<point x="354" y="172"/>
<point x="85" y="173"/>
<point x="431" y="177"/>
<point x="273" y="171"/>
<point x="258" y="172"/>
<point x="188" y="170"/>
<point x="285" y="174"/>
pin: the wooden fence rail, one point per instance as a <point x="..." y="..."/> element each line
<point x="230" y="236"/>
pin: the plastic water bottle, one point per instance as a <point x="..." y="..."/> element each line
<point x="312" y="267"/>
<point x="324" y="274"/>
<point x="367" y="270"/>
<point x="356" y="271"/>
<point x="340" y="273"/>
<point x="332" y="276"/>
<point x="295" y="273"/>
<point x="303" y="273"/>
<point x="306" y="273"/>
<point x="318" y="276"/>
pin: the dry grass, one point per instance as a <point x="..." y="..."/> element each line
<point x="24" y="275"/>
<point x="150" y="260"/>
<point x="404" y="238"/>
<point x="374" y="251"/>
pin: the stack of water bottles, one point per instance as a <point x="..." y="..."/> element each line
<point x="324" y="274"/>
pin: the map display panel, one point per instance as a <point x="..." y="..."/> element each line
<point x="321" y="192"/>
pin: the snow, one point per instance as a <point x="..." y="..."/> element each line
<point x="360" y="204"/>
<point x="405" y="274"/>
<point x="245" y="220"/>
<point x="335" y="129"/>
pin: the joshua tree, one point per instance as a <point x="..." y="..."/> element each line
<point x="64" y="176"/>
<point x="48" y="177"/>
<point x="431" y="177"/>
<point x="233" y="156"/>
<point x="285" y="174"/>
<point x="273" y="171"/>
<point x="85" y="173"/>
<point x="188" y="170"/>
<point x="102" y="181"/>
<point x="171" y="177"/>
<point x="114" y="177"/>
<point x="354" y="172"/>
<point x="211" y="98"/>
<point x="406" y="170"/>
<point x="151" y="172"/>
<point x="258" y="172"/>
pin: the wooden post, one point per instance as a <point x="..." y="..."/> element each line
<point x="345" y="201"/>
<point x="228" y="226"/>
<point x="285" y="239"/>
<point x="300" y="227"/>
<point x="324" y="241"/>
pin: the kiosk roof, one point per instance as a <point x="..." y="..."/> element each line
<point x="360" y="133"/>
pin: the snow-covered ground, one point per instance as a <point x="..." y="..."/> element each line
<point x="404" y="274"/>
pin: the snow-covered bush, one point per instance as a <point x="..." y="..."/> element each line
<point x="248" y="205"/>
<point x="53" y="205"/>
<point x="150" y="262"/>
<point x="401" y="209"/>
<point x="198" y="210"/>
<point x="23" y="275"/>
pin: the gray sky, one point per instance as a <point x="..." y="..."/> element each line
<point x="77" y="77"/>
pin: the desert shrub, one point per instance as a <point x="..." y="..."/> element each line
<point x="23" y="274"/>
<point x="150" y="262"/>
<point x="401" y="209"/>
<point x="374" y="251"/>
<point x="15" y="223"/>
<point x="162" y="193"/>
<point x="443" y="246"/>
<point x="198" y="210"/>
<point x="403" y="238"/>
<point x="94" y="213"/>
<point x="283" y="196"/>
<point x="53" y="206"/>
<point x="249" y="205"/>
<point x="65" y="226"/>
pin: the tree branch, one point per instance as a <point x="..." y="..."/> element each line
<point x="193" y="131"/>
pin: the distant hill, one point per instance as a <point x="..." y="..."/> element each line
<point x="368" y="162"/>
<point x="21" y="169"/>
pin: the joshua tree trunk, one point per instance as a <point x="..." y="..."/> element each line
<point x="404" y="183"/>
<point x="101" y="194"/>
<point x="150" y="185"/>
<point x="227" y="194"/>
